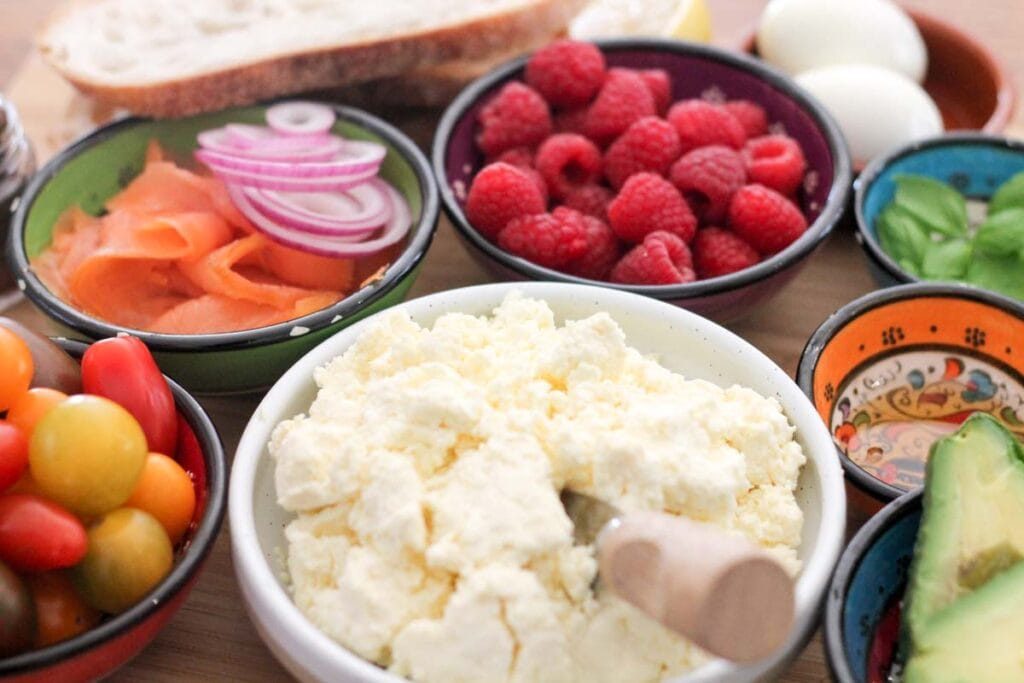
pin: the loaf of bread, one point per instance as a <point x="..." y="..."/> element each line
<point x="178" y="57"/>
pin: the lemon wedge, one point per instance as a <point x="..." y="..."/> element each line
<point x="683" y="19"/>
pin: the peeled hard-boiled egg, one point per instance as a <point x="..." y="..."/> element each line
<point x="877" y="109"/>
<point x="797" y="35"/>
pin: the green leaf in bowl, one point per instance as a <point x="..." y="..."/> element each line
<point x="902" y="235"/>
<point x="1004" y="274"/>
<point x="1010" y="195"/>
<point x="1002" y="233"/>
<point x="934" y="203"/>
<point x="947" y="260"/>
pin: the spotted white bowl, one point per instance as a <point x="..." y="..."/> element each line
<point x="683" y="341"/>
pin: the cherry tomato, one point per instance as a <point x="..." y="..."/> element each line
<point x="27" y="485"/>
<point x="13" y="454"/>
<point x="31" y="407"/>
<point x="86" y="454"/>
<point x="15" y="368"/>
<point x="123" y="370"/>
<point x="129" y="554"/>
<point x="60" y="612"/>
<point x="54" y="368"/>
<point x="17" y="616"/>
<point x="165" y="491"/>
<point x="37" y="535"/>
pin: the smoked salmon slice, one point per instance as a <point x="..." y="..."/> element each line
<point x="172" y="254"/>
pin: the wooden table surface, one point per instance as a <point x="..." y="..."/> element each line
<point x="211" y="639"/>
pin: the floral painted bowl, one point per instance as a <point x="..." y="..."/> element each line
<point x="862" y="611"/>
<point x="897" y="369"/>
<point x="97" y="166"/>
<point x="114" y="641"/>
<point x="974" y="163"/>
<point x="695" y="70"/>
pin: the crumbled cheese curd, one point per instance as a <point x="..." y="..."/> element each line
<point x="429" y="534"/>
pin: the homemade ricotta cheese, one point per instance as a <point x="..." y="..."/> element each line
<point x="429" y="535"/>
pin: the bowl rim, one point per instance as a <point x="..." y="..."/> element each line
<point x="183" y="571"/>
<point x="275" y="607"/>
<point x="849" y="563"/>
<point x="837" y="321"/>
<point x="831" y="212"/>
<point x="862" y="186"/>
<point x="421" y="235"/>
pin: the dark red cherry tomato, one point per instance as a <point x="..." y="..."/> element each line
<point x="123" y="370"/>
<point x="13" y="454"/>
<point x="37" y="535"/>
<point x="17" y="614"/>
<point x="54" y="368"/>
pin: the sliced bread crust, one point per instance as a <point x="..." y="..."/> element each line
<point x="320" y="68"/>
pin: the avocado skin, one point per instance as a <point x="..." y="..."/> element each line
<point x="970" y="543"/>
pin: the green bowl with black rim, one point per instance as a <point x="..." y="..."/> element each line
<point x="99" y="165"/>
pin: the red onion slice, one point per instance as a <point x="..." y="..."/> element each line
<point x="355" y="157"/>
<point x="244" y="135"/>
<point x="357" y="211"/>
<point x="282" y="150"/>
<point x="286" y="184"/>
<point x="300" y="118"/>
<point x="335" y="247"/>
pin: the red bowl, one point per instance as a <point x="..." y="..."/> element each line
<point x="99" y="651"/>
<point x="968" y="84"/>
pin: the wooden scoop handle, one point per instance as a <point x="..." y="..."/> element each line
<point x="722" y="592"/>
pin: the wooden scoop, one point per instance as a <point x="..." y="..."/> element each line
<point x="720" y="591"/>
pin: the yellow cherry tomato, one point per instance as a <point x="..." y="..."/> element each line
<point x="165" y="491"/>
<point x="30" y="408"/>
<point x="86" y="454"/>
<point x="129" y="554"/>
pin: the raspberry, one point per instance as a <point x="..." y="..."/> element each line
<point x="517" y="156"/>
<point x="660" y="85"/>
<point x="516" y="117"/>
<point x="592" y="200"/>
<point x="765" y="219"/>
<point x="499" y="193"/>
<point x="649" y="203"/>
<point x="701" y="123"/>
<point x="552" y="240"/>
<point x="662" y="259"/>
<point x="751" y="116"/>
<point x="708" y="177"/>
<point x="717" y="251"/>
<point x="571" y="121"/>
<point x="775" y="161"/>
<point x="602" y="252"/>
<point x="650" y="144"/>
<point x="566" y="161"/>
<point x="566" y="73"/>
<point x="623" y="99"/>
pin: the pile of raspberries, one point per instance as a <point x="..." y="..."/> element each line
<point x="595" y="172"/>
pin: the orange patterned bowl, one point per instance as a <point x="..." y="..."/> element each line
<point x="893" y="371"/>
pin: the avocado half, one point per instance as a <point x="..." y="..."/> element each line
<point x="964" y="617"/>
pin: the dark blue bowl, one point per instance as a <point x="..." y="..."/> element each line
<point x="869" y="580"/>
<point x="974" y="163"/>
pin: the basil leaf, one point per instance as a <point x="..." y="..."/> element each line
<point x="909" y="266"/>
<point x="1010" y="195"/>
<point x="901" y="235"/>
<point x="946" y="260"/>
<point x="1004" y="274"/>
<point x="935" y="204"/>
<point x="1002" y="233"/>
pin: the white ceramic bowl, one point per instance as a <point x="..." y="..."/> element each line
<point x="683" y="341"/>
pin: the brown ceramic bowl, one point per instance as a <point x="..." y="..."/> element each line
<point x="966" y="81"/>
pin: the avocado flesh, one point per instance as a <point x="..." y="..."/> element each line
<point x="972" y="529"/>
<point x="977" y="639"/>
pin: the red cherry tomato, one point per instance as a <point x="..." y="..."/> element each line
<point x="13" y="454"/>
<point x="37" y="535"/>
<point x="123" y="370"/>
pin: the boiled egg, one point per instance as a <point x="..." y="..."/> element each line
<point x="877" y="109"/>
<point x="797" y="35"/>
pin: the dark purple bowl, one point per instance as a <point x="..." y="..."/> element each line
<point x="695" y="70"/>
